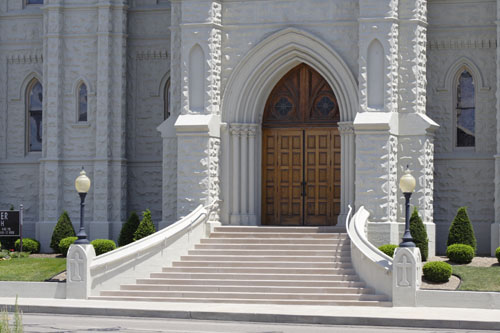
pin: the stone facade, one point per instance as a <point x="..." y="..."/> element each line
<point x="392" y="65"/>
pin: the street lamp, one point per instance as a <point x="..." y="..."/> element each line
<point x="82" y="185"/>
<point x="407" y="185"/>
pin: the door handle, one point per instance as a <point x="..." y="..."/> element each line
<point x="303" y="189"/>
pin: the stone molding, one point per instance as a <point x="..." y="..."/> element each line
<point x="152" y="55"/>
<point x="461" y="44"/>
<point x="26" y="58"/>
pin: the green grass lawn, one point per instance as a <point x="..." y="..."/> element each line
<point x="478" y="278"/>
<point x="31" y="269"/>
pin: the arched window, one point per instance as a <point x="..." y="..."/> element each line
<point x="166" y="101"/>
<point x="465" y="111"/>
<point x="34" y="107"/>
<point x="82" y="102"/>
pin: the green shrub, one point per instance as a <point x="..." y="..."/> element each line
<point x="146" y="227"/>
<point x="65" y="243"/>
<point x="460" y="253"/>
<point x="461" y="231"/>
<point x="388" y="249"/>
<point x="437" y="271"/>
<point x="497" y="254"/>
<point x="29" y="245"/>
<point x="103" y="245"/>
<point x="128" y="229"/>
<point x="63" y="229"/>
<point x="419" y="234"/>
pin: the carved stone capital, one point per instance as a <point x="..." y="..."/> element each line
<point x="346" y="127"/>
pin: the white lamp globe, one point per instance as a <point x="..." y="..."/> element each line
<point x="82" y="182"/>
<point x="407" y="182"/>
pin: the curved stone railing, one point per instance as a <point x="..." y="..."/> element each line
<point x="88" y="275"/>
<point x="372" y="265"/>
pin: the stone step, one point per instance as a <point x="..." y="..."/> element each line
<point x="245" y="295"/>
<point x="253" y="283"/>
<point x="269" y="258"/>
<point x="243" y="301"/>
<point x="242" y="253"/>
<point x="271" y="241"/>
<point x="252" y="289"/>
<point x="254" y="277"/>
<point x="273" y="247"/>
<point x="262" y="264"/>
<point x="277" y="235"/>
<point x="259" y="270"/>
<point x="264" y="229"/>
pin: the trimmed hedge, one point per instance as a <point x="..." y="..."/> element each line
<point x="461" y="231"/>
<point x="65" y="243"/>
<point x="437" y="271"/>
<point x="497" y="254"/>
<point x="146" y="227"/>
<point x="460" y="253"/>
<point x="103" y="245"/>
<point x="29" y="245"/>
<point x="63" y="229"/>
<point x="419" y="234"/>
<point x="128" y="229"/>
<point x="388" y="249"/>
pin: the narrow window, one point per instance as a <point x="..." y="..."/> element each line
<point x="82" y="102"/>
<point x="465" y="112"/>
<point x="34" y="106"/>
<point x="166" y="101"/>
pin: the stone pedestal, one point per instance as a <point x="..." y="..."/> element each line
<point x="79" y="259"/>
<point x="406" y="276"/>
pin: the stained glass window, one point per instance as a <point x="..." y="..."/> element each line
<point x="283" y="107"/>
<point x="82" y="103"/>
<point x="465" y="111"/>
<point x="166" y="101"/>
<point x="35" y="102"/>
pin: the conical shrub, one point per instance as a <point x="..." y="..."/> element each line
<point x="63" y="229"/>
<point x="128" y="229"/>
<point x="146" y="227"/>
<point x="419" y="234"/>
<point x="461" y="231"/>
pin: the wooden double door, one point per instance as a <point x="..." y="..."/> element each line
<point x="301" y="176"/>
<point x="301" y="151"/>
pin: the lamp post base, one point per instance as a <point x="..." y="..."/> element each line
<point x="82" y="236"/>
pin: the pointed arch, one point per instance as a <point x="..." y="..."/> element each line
<point x="375" y="75"/>
<point x="34" y="115"/>
<point x="254" y="77"/>
<point x="451" y="75"/>
<point x="464" y="108"/>
<point x="196" y="78"/>
<point x="82" y="102"/>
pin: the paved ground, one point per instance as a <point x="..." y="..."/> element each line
<point x="74" y="324"/>
<point x="435" y="318"/>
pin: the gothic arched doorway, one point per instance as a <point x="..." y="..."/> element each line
<point x="301" y="155"/>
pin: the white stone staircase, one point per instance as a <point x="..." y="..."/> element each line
<point x="273" y="265"/>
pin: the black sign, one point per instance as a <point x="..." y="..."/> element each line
<point x="9" y="223"/>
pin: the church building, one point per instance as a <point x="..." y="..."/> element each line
<point x="282" y="112"/>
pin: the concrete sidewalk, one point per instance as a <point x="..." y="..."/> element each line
<point x="448" y="318"/>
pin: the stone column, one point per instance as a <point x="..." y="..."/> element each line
<point x="495" y="226"/>
<point x="51" y="171"/>
<point x="109" y="178"/>
<point x="375" y="123"/>
<point x="252" y="170"/>
<point x="235" y="211"/>
<point x="243" y="193"/>
<point x="416" y="130"/>
<point x="346" y="131"/>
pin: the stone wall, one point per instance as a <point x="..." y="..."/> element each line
<point x="463" y="177"/>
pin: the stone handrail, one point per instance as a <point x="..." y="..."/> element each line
<point x="372" y="265"/>
<point x="88" y="275"/>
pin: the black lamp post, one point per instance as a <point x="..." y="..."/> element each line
<point x="407" y="185"/>
<point x="82" y="185"/>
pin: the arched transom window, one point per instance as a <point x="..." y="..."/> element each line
<point x="166" y="101"/>
<point x="82" y="102"/>
<point x="34" y="108"/>
<point x="465" y="111"/>
<point x="34" y="2"/>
